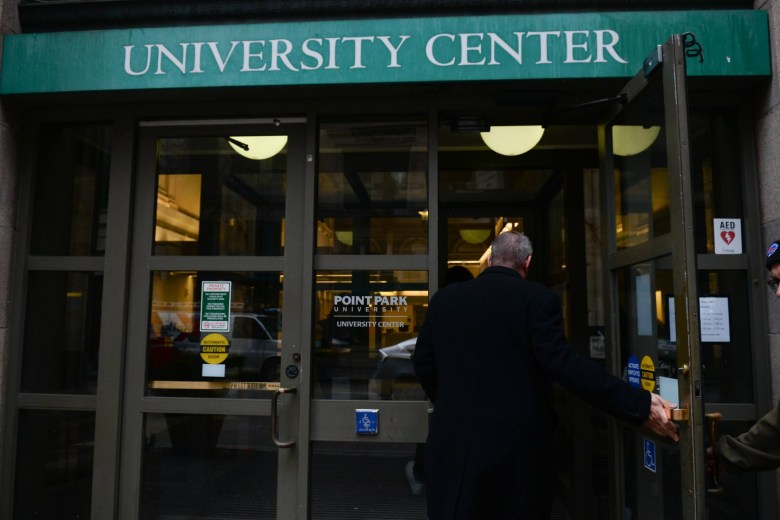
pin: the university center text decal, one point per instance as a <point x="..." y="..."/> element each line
<point x="370" y="311"/>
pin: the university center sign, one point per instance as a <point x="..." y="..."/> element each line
<point x="509" y="47"/>
<point x="377" y="311"/>
<point x="334" y="53"/>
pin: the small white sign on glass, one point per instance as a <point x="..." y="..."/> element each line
<point x="644" y="305"/>
<point x="713" y="319"/>
<point x="728" y="236"/>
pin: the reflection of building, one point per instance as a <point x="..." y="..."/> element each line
<point x="121" y="191"/>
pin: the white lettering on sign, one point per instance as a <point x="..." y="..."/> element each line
<point x="370" y="324"/>
<point x="516" y="53"/>
<point x="393" y="49"/>
<point x="374" y="311"/>
<point x="261" y="55"/>
<point x="369" y="300"/>
<point x="216" y="287"/>
<point x="468" y="49"/>
<point x="577" y="46"/>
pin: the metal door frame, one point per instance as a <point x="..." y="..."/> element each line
<point x="108" y="406"/>
<point x="680" y="245"/>
<point x="410" y="422"/>
<point x="143" y="262"/>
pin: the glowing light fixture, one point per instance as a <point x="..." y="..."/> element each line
<point x="512" y="140"/>
<point x="345" y="237"/>
<point x="258" y="147"/>
<point x="633" y="140"/>
<point x="474" y="236"/>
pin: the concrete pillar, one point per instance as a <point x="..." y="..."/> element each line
<point x="767" y="131"/>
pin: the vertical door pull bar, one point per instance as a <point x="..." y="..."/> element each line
<point x="274" y="418"/>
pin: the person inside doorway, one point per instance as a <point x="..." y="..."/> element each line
<point x="415" y="469"/>
<point x="486" y="356"/>
<point x="758" y="449"/>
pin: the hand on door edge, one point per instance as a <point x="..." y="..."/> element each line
<point x="658" y="420"/>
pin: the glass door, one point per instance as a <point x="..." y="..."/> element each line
<point x="213" y="357"/>
<point x="651" y="275"/>
<point x="370" y="294"/>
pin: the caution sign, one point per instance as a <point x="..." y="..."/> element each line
<point x="648" y="373"/>
<point x="214" y="349"/>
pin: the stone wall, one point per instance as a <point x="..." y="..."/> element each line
<point x="767" y="132"/>
<point x="768" y="161"/>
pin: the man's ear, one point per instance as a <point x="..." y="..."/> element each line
<point x="527" y="264"/>
<point x="490" y="261"/>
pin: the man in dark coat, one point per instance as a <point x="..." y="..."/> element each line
<point x="486" y="355"/>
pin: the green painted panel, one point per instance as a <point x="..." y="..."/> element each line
<point x="571" y="45"/>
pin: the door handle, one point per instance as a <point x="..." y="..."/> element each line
<point x="712" y="428"/>
<point x="274" y="419"/>
<point x="678" y="414"/>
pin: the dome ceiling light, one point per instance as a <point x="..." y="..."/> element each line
<point x="633" y="140"/>
<point x="512" y="140"/>
<point x="258" y="147"/>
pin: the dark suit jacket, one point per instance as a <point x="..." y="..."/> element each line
<point x="486" y="355"/>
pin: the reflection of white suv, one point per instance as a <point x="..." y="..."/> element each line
<point x="402" y="350"/>
<point x="395" y="361"/>
<point x="254" y="348"/>
<point x="253" y="341"/>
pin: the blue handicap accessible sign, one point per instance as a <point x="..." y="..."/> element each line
<point x="367" y="421"/>
<point x="649" y="455"/>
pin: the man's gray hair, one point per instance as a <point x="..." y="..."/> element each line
<point x="510" y="249"/>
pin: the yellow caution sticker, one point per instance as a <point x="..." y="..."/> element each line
<point x="648" y="373"/>
<point x="214" y="348"/>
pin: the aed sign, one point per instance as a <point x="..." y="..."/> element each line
<point x="647" y="373"/>
<point x="728" y="236"/>
<point x="215" y="306"/>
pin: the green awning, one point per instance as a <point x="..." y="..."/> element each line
<point x="507" y="47"/>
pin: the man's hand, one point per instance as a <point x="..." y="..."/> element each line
<point x="658" y="420"/>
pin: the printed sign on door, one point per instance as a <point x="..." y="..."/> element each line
<point x="728" y="236"/>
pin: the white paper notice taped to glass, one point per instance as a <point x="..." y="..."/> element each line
<point x="213" y="370"/>
<point x="644" y="305"/>
<point x="713" y="319"/>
